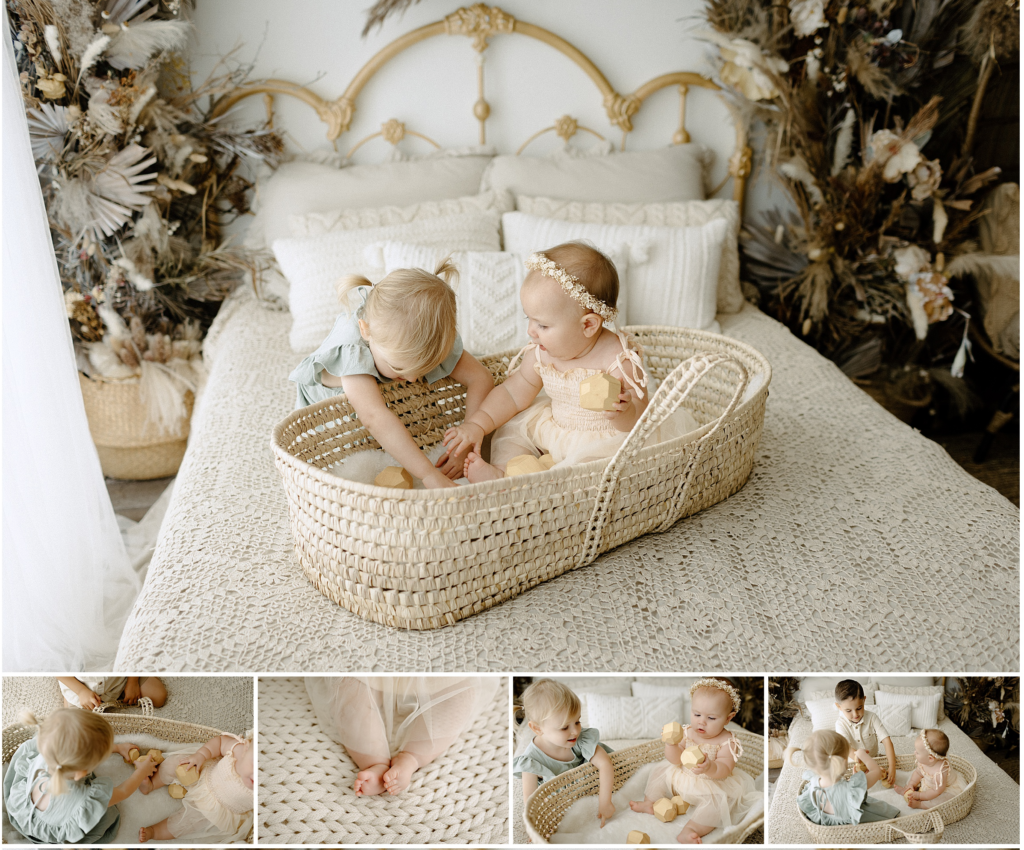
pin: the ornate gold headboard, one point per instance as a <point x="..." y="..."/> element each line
<point x="481" y="22"/>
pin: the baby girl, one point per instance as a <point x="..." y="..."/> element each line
<point x="568" y="296"/>
<point x="933" y="781"/>
<point x="718" y="794"/>
<point x="218" y="804"/>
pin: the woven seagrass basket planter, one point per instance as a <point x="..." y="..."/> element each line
<point x="552" y="799"/>
<point x="422" y="559"/>
<point x="923" y="827"/>
<point x="128" y="445"/>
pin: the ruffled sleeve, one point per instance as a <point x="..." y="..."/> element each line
<point x="848" y="797"/>
<point x="17" y="797"/>
<point x="587" y="743"/>
<point x="448" y="364"/>
<point x="94" y="800"/>
<point x="526" y="763"/>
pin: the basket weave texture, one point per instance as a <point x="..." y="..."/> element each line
<point x="423" y="559"/>
<point x="923" y="827"/>
<point x="552" y="799"/>
<point x="129" y="446"/>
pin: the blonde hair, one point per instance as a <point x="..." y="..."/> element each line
<point x="70" y="740"/>
<point x="825" y="752"/>
<point x="547" y="698"/>
<point x="595" y="272"/>
<point x="411" y="314"/>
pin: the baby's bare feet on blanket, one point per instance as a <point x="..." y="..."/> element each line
<point x="477" y="469"/>
<point x="146" y="786"/>
<point x="146" y="833"/>
<point x="688" y="836"/>
<point x="399" y="775"/>
<point x="369" y="782"/>
<point x="645" y="806"/>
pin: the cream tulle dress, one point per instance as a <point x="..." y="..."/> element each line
<point x="556" y="423"/>
<point x="946" y="779"/>
<point x="219" y="805"/>
<point x="713" y="802"/>
<point x="381" y="716"/>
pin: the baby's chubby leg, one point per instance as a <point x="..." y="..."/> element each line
<point x="693" y="832"/>
<point x="165" y="774"/>
<point x="156" y="832"/>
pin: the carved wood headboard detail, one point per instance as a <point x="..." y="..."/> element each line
<point x="481" y="22"/>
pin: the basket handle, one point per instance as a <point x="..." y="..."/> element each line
<point x="678" y="384"/>
<point x="938" y="827"/>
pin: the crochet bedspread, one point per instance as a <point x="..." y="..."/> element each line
<point x="856" y="544"/>
<point x="994" y="818"/>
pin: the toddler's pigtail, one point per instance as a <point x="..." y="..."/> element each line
<point x="27" y="718"/>
<point x="448" y="272"/>
<point x="837" y="767"/>
<point x="346" y="284"/>
<point x="789" y="756"/>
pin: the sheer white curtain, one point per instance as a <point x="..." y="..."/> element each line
<point x="67" y="583"/>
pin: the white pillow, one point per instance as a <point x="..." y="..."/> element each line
<point x="919" y="689"/>
<point x="305" y="187"/>
<point x="869" y="695"/>
<point x="315" y="223"/>
<point x="674" y="173"/>
<point x="585" y="686"/>
<point x="672" y="214"/>
<point x="490" y="314"/>
<point x="925" y="708"/>
<point x="824" y="713"/>
<point x="632" y="717"/>
<point x="651" y="690"/>
<point x="314" y="265"/>
<point x="896" y="718"/>
<point x="673" y="271"/>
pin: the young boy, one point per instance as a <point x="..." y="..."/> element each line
<point x="862" y="728"/>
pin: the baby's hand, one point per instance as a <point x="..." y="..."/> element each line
<point x="90" y="700"/>
<point x="605" y="811"/>
<point x="703" y="767"/>
<point x="132" y="692"/>
<point x="147" y="765"/>
<point x="623" y="405"/>
<point x="196" y="760"/>
<point x="451" y="463"/>
<point x="463" y="438"/>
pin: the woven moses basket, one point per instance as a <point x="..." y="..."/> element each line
<point x="421" y="559"/>
<point x="553" y="797"/>
<point x="923" y="827"/>
<point x="128" y="445"/>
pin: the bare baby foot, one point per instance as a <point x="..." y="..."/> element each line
<point x="368" y="782"/>
<point x="146" y="786"/>
<point x="477" y="469"/>
<point x="146" y="833"/>
<point x="688" y="836"/>
<point x="645" y="806"/>
<point x="399" y="775"/>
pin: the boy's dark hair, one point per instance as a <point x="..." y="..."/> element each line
<point x="849" y="689"/>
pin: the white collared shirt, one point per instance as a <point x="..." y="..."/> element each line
<point x="867" y="734"/>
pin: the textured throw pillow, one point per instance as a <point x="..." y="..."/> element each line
<point x="315" y="223"/>
<point x="869" y="694"/>
<point x="306" y="187"/>
<point x="924" y="707"/>
<point x="895" y="718"/>
<point x="651" y="690"/>
<point x="314" y="265"/>
<point x="490" y="314"/>
<point x="824" y="713"/>
<point x="632" y="717"/>
<point x="672" y="214"/>
<point x="924" y="690"/>
<point x="673" y="271"/>
<point x="674" y="173"/>
<point x="585" y="686"/>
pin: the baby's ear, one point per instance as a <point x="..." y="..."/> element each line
<point x="592" y="324"/>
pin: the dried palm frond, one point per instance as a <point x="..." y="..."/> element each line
<point x="47" y="131"/>
<point x="381" y="10"/>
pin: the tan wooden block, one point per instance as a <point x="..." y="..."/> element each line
<point x="672" y="733"/>
<point x="600" y="392"/>
<point x="176" y="791"/>
<point x="394" y="476"/>
<point x="637" y="837"/>
<point x="665" y="810"/>
<point x="547" y="461"/>
<point x="133" y="755"/>
<point x="691" y="757"/>
<point x="682" y="807"/>
<point x="158" y="756"/>
<point x="906" y="795"/>
<point x="523" y="465"/>
<point x="187" y="776"/>
<point x="884" y="782"/>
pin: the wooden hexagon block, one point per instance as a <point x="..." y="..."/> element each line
<point x="523" y="465"/>
<point x="600" y="392"/>
<point x="176" y="791"/>
<point x="637" y="837"/>
<point x="547" y="461"/>
<point x="884" y="782"/>
<point x="672" y="733"/>
<point x="681" y="805"/>
<point x="158" y="756"/>
<point x="691" y="757"/>
<point x="906" y="795"/>
<point x="665" y="810"/>
<point x="394" y="476"/>
<point x="187" y="776"/>
<point x="133" y="755"/>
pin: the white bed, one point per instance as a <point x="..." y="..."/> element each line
<point x="994" y="818"/>
<point x="851" y="523"/>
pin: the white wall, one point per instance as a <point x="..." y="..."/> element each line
<point x="432" y="86"/>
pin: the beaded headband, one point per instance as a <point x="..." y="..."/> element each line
<point x="734" y="695"/>
<point x="928" y="747"/>
<point x="570" y="285"/>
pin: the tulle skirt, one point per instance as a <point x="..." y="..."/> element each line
<point x="535" y="431"/>
<point x="202" y="815"/>
<point x="713" y="802"/>
<point x="381" y="716"/>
